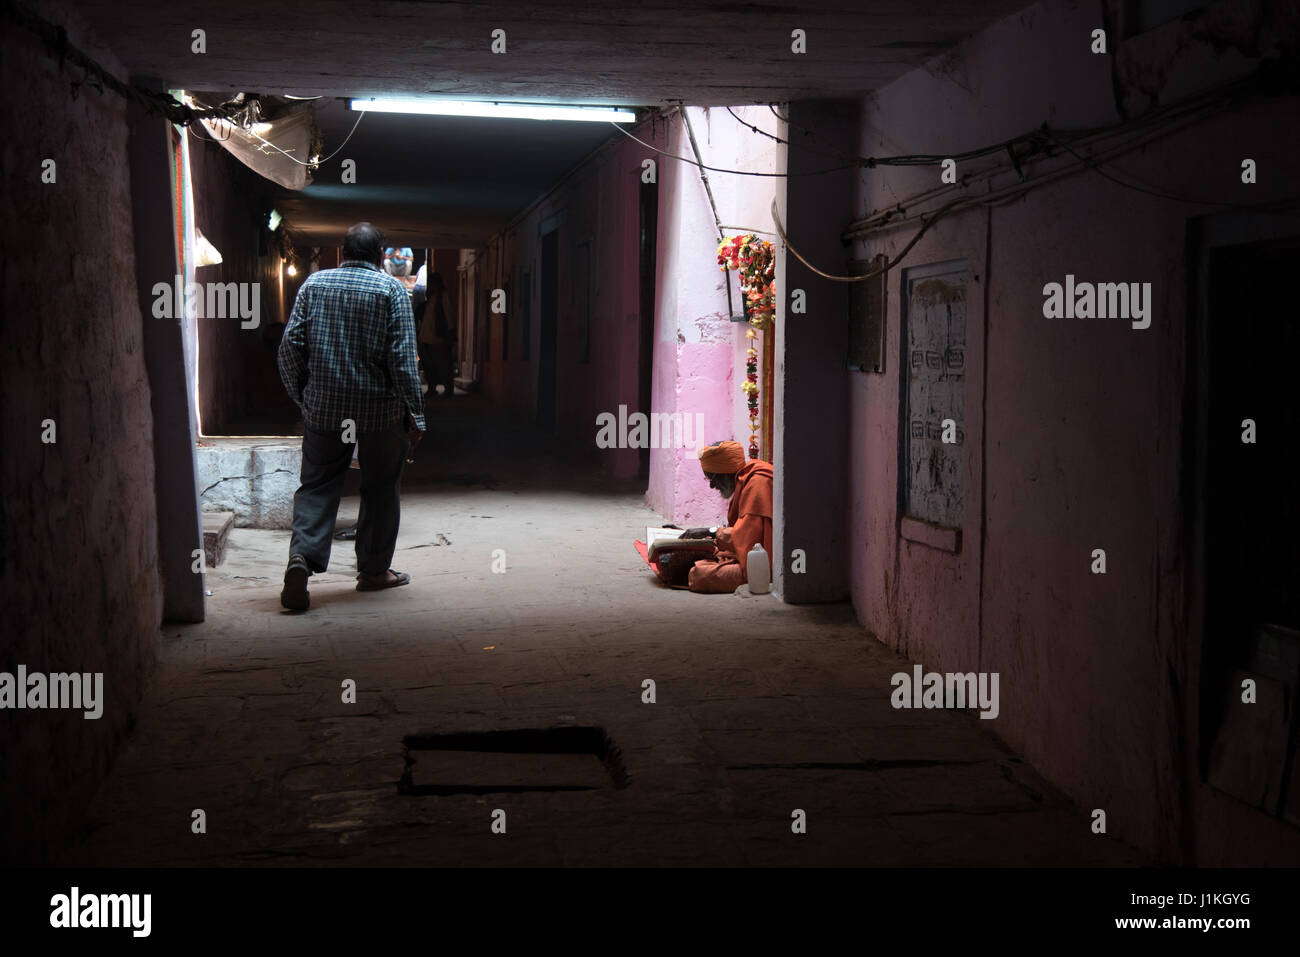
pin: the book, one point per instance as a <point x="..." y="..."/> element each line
<point x="657" y="538"/>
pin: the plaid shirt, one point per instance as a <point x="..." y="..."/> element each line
<point x="348" y="350"/>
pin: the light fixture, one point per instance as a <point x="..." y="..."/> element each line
<point x="273" y="221"/>
<point x="292" y="270"/>
<point x="497" y="110"/>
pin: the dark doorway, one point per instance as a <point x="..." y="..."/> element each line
<point x="647" y="244"/>
<point x="526" y="321"/>
<point x="482" y="301"/>
<point x="546" y="352"/>
<point x="1252" y="516"/>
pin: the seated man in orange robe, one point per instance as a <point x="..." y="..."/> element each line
<point x="748" y="485"/>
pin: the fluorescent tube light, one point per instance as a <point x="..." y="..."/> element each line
<point x="516" y="111"/>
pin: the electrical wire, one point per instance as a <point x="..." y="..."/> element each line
<point x="1038" y="140"/>
<point x="998" y="197"/>
<point x="755" y="128"/>
<point x="341" y="145"/>
<point x="1171" y="119"/>
<point x="718" y="169"/>
<point x="1151" y="191"/>
<point x="55" y="39"/>
<point x="1034" y="138"/>
<point x="189" y="128"/>
<point x="934" y="218"/>
<point x="293" y="158"/>
<point x="852" y="160"/>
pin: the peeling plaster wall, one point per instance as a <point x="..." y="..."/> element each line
<point x="78" y="537"/>
<point x="1079" y="441"/>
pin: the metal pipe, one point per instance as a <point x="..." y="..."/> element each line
<point x="717" y="220"/>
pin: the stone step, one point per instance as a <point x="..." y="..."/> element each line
<point x="216" y="529"/>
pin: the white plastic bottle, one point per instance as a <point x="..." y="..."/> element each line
<point x="759" y="571"/>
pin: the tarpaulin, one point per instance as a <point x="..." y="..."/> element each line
<point x="277" y="149"/>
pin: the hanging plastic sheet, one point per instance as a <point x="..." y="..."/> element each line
<point x="279" y="149"/>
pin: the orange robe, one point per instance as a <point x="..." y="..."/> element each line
<point x="749" y="521"/>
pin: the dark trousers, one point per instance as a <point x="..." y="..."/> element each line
<point x="325" y="461"/>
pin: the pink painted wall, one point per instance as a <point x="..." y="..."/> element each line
<point x="599" y="203"/>
<point x="1074" y="427"/>
<point x="698" y="353"/>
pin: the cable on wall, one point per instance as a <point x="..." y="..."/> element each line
<point x="55" y="39"/>
<point x="934" y="218"/>
<point x="718" y="169"/>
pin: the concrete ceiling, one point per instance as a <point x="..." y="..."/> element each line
<point x="443" y="181"/>
<point x="581" y="51"/>
<point x="433" y="181"/>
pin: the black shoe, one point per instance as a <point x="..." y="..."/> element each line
<point x="294" y="596"/>
<point x="346" y="534"/>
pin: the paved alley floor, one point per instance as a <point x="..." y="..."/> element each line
<point x="761" y="709"/>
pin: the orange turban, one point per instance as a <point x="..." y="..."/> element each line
<point x="725" y="458"/>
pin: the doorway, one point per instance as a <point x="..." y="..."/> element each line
<point x="1250" y="415"/>
<point x="546" y="369"/>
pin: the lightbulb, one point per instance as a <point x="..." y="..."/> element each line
<point x="293" y="270"/>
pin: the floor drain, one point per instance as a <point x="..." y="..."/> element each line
<point x="871" y="764"/>
<point x="511" y="762"/>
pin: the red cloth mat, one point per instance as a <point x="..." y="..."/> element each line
<point x="641" y="550"/>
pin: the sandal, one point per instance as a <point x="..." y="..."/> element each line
<point x="295" y="596"/>
<point x="380" y="582"/>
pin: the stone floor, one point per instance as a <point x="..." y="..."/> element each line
<point x="761" y="709"/>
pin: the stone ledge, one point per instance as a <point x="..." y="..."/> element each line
<point x="253" y="477"/>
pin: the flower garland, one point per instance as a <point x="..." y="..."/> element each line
<point x="754" y="260"/>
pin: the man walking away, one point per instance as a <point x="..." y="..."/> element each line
<point x="348" y="360"/>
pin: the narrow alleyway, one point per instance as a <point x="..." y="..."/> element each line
<point x="761" y="708"/>
<point x="996" y="289"/>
